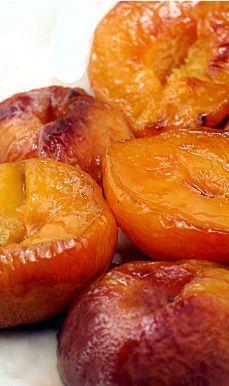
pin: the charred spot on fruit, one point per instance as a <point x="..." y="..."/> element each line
<point x="202" y="119"/>
<point x="170" y="299"/>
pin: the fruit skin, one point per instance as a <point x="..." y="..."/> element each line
<point x="64" y="124"/>
<point x="169" y="193"/>
<point x="22" y="115"/>
<point x="69" y="238"/>
<point x="143" y="323"/>
<point x="82" y="137"/>
<point x="148" y="58"/>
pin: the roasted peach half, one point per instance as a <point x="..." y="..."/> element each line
<point x="145" y="323"/>
<point x="169" y="193"/>
<point x="60" y="123"/>
<point x="56" y="235"/>
<point x="164" y="64"/>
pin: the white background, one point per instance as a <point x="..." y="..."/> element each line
<point x="45" y="42"/>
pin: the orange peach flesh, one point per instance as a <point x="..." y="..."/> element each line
<point x="152" y="324"/>
<point x="169" y="193"/>
<point x="57" y="235"/>
<point x="150" y="57"/>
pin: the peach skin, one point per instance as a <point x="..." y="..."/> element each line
<point x="154" y="324"/>
<point x="60" y="123"/>
<point x="164" y="64"/>
<point x="57" y="235"/>
<point x="169" y="193"/>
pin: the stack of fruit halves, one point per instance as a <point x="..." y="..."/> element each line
<point x="156" y="139"/>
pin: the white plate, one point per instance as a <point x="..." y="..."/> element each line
<point x="28" y="356"/>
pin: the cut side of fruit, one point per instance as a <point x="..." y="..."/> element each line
<point x="169" y="193"/>
<point x="12" y="227"/>
<point x="64" y="124"/>
<point x="57" y="235"/>
<point x="164" y="64"/>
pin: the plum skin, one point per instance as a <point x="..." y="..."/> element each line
<point x="149" y="323"/>
<point x="62" y="123"/>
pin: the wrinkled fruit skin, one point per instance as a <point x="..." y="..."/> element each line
<point x="61" y="123"/>
<point x="154" y="324"/>
<point x="57" y="235"/>
<point x="148" y="58"/>
<point x="169" y="193"/>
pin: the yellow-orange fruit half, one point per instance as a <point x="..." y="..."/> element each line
<point x="164" y="64"/>
<point x="56" y="235"/>
<point x="170" y="193"/>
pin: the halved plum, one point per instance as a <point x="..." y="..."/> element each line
<point x="164" y="64"/>
<point x="82" y="137"/>
<point x="169" y="193"/>
<point x="60" y="123"/>
<point x="164" y="324"/>
<point x="56" y="235"/>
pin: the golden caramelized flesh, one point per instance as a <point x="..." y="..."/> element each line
<point x="170" y="194"/>
<point x="150" y="324"/>
<point x="12" y="227"/>
<point x="60" y="123"/>
<point x="164" y="64"/>
<point x="56" y="235"/>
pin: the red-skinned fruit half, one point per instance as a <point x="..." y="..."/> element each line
<point x="150" y="324"/>
<point x="57" y="234"/>
<point x="169" y="193"/>
<point x="62" y="123"/>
